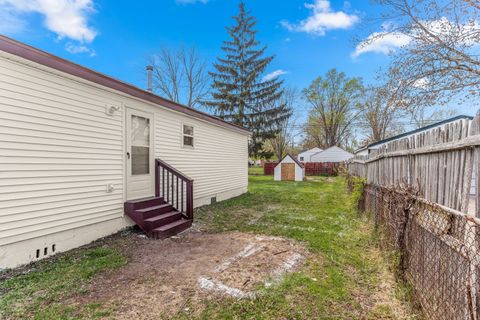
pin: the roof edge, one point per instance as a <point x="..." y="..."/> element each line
<point x="293" y="158"/>
<point x="44" y="58"/>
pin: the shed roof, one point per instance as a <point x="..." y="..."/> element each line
<point x="313" y="150"/>
<point x="49" y="60"/>
<point x="293" y="158"/>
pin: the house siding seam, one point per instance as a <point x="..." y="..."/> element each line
<point x="59" y="150"/>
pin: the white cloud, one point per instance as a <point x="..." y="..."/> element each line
<point x="191" y="1"/>
<point x="274" y="74"/>
<point x="68" y="19"/>
<point x="321" y="19"/>
<point x="382" y="42"/>
<point x="387" y="41"/>
<point x="79" y="48"/>
<point x="421" y="83"/>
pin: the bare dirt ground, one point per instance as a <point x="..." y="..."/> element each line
<point x="164" y="277"/>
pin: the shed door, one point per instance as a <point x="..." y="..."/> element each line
<point x="288" y="171"/>
<point x="140" y="154"/>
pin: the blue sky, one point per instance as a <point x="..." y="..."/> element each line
<point x="308" y="37"/>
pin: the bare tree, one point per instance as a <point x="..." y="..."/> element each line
<point x="440" y="58"/>
<point x="283" y="140"/>
<point x="334" y="100"/>
<point x="379" y="114"/>
<point x="422" y="117"/>
<point x="180" y="75"/>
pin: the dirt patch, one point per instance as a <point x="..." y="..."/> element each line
<point x="164" y="277"/>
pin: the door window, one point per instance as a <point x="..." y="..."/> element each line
<point x="140" y="145"/>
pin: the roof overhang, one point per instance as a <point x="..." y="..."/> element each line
<point x="46" y="59"/>
<point x="293" y="158"/>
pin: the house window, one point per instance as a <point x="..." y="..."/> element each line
<point x="301" y="158"/>
<point x="187" y="136"/>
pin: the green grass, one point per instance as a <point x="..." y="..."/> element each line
<point x="342" y="274"/>
<point x="255" y="171"/>
<point x="40" y="294"/>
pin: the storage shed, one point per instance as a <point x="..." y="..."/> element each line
<point x="332" y="154"/>
<point x="289" y="169"/>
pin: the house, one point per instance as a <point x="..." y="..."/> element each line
<point x="366" y="150"/>
<point x="332" y="154"/>
<point x="84" y="155"/>
<point x="304" y="156"/>
<point x="289" y="169"/>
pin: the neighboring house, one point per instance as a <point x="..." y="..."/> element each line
<point x="304" y="156"/>
<point x="78" y="148"/>
<point x="289" y="169"/>
<point x="366" y="150"/>
<point x="332" y="154"/>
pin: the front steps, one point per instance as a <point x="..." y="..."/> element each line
<point x="158" y="219"/>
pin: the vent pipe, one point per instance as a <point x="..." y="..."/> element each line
<point x="149" y="77"/>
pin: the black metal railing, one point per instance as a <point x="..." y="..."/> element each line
<point x="174" y="187"/>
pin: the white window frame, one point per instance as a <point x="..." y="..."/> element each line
<point x="188" y="135"/>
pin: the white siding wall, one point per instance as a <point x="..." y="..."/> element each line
<point x="59" y="150"/>
<point x="333" y="154"/>
<point x="218" y="163"/>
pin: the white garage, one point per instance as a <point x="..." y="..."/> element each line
<point x="332" y="154"/>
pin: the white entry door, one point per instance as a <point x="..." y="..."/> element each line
<point x="140" y="154"/>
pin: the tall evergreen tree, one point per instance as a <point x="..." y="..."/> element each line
<point x="240" y="95"/>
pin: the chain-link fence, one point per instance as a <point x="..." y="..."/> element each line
<point x="439" y="250"/>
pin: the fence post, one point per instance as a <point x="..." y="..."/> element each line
<point x="375" y="205"/>
<point x="471" y="227"/>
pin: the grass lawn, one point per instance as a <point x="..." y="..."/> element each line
<point x="345" y="276"/>
<point x="255" y="171"/>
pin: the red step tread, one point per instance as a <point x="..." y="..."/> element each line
<point x="171" y="229"/>
<point x="162" y="219"/>
<point x="154" y="208"/>
<point x="163" y="216"/>
<point x="171" y="225"/>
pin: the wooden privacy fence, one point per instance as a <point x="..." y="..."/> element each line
<point x="418" y="190"/>
<point x="321" y="168"/>
<point x="268" y="168"/>
<point x="439" y="163"/>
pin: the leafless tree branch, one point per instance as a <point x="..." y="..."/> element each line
<point x="180" y="75"/>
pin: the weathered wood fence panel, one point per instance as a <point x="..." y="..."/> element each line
<point x="418" y="190"/>
<point x="438" y="163"/>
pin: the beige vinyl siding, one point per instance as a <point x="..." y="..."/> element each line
<point x="59" y="150"/>
<point x="218" y="162"/>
